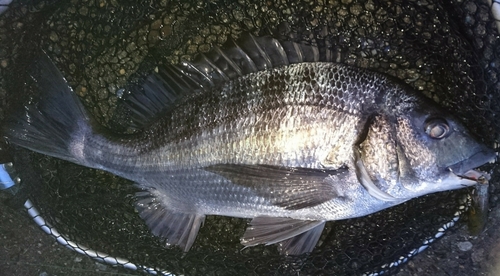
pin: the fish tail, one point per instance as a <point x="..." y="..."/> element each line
<point x="58" y="123"/>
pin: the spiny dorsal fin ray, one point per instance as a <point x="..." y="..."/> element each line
<point x="290" y="188"/>
<point x="158" y="92"/>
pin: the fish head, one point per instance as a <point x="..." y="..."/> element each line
<point x="437" y="151"/>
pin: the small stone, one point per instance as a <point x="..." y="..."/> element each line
<point x="464" y="246"/>
<point x="43" y="274"/>
<point x="53" y="36"/>
<point x="78" y="259"/>
<point x="81" y="90"/>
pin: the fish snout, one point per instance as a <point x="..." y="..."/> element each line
<point x="465" y="167"/>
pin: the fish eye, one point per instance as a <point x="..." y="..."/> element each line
<point x="437" y="128"/>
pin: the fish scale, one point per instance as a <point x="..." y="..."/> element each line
<point x="189" y="123"/>
<point x="289" y="146"/>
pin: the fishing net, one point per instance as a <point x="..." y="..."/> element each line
<point x="448" y="50"/>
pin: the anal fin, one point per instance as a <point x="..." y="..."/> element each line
<point x="295" y="236"/>
<point x="177" y="228"/>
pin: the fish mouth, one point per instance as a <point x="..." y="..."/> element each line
<point x="476" y="176"/>
<point x="465" y="168"/>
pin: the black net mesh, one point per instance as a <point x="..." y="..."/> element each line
<point x="449" y="50"/>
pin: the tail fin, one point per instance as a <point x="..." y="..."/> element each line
<point x="56" y="125"/>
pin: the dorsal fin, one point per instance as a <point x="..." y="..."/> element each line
<point x="153" y="94"/>
<point x="158" y="92"/>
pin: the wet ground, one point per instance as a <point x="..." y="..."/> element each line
<point x="27" y="250"/>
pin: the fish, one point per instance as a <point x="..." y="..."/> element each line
<point x="273" y="131"/>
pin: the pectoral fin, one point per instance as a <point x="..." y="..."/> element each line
<point x="290" y="188"/>
<point x="178" y="229"/>
<point x="295" y="236"/>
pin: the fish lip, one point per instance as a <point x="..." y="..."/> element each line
<point x="465" y="167"/>
<point x="476" y="176"/>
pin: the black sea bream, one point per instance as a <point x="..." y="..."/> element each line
<point x="265" y="131"/>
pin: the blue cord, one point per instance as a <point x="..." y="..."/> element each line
<point x="5" y="180"/>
